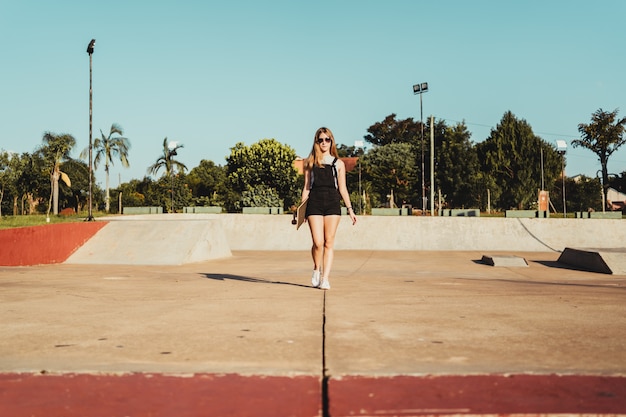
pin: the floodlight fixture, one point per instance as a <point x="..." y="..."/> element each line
<point x="420" y="88"/>
<point x="90" y="46"/>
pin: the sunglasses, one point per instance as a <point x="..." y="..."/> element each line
<point x="322" y="140"/>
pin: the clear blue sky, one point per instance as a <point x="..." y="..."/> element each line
<point x="209" y="74"/>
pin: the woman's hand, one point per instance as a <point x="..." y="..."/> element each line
<point x="352" y="216"/>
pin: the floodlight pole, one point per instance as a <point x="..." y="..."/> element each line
<point x="563" y="177"/>
<point x="90" y="52"/>
<point x="432" y="165"/>
<point x="561" y="147"/>
<point x="420" y="89"/>
<point x="359" y="144"/>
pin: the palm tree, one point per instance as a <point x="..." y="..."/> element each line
<point x="167" y="160"/>
<point x="107" y="148"/>
<point x="603" y="136"/>
<point x="56" y="149"/>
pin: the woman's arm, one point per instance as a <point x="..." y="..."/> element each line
<point x="343" y="189"/>
<point x="307" y="184"/>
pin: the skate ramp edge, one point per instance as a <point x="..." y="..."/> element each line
<point x="154" y="242"/>
<point x="605" y="260"/>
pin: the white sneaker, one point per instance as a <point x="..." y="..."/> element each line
<point x="315" y="279"/>
<point x="325" y="285"/>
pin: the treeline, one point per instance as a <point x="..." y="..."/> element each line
<point x="504" y="171"/>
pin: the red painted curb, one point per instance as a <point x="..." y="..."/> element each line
<point x="483" y="394"/>
<point x="154" y="395"/>
<point x="47" y="244"/>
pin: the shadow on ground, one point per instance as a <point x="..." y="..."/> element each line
<point x="224" y="277"/>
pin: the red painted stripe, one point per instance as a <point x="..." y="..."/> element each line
<point x="155" y="395"/>
<point x="46" y="244"/>
<point x="484" y="394"/>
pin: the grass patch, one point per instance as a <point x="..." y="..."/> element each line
<point x="8" y="222"/>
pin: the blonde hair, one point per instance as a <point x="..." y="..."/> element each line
<point x="316" y="155"/>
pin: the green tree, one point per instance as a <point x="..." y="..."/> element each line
<point x="581" y="194"/>
<point x="134" y="192"/>
<point x="56" y="150"/>
<point x="33" y="184"/>
<point x="7" y="177"/>
<point x="457" y="166"/>
<point x="170" y="193"/>
<point x="391" y="131"/>
<point x="77" y="194"/>
<point x="267" y="162"/>
<point x="209" y="181"/>
<point x="391" y="170"/>
<point x="603" y="136"/>
<point x="25" y="179"/>
<point x="108" y="148"/>
<point x="167" y="160"/>
<point x="260" y="196"/>
<point x="345" y="151"/>
<point x="511" y="157"/>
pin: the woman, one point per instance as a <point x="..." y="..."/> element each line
<point x="324" y="186"/>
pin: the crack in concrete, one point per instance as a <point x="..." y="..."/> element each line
<point x="325" y="408"/>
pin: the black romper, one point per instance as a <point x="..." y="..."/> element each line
<point x="324" y="197"/>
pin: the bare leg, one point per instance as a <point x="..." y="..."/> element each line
<point x="330" y="229"/>
<point x="316" y="224"/>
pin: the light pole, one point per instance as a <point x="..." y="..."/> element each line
<point x="359" y="144"/>
<point x="419" y="89"/>
<point x="432" y="165"/>
<point x="561" y="147"/>
<point x="90" y="52"/>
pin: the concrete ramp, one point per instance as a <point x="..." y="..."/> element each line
<point x="605" y="260"/>
<point x="154" y="242"/>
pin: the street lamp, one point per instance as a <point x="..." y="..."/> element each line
<point x="90" y="52"/>
<point x="561" y="147"/>
<point x="419" y="89"/>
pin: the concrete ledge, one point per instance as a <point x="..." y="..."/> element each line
<point x="262" y="210"/>
<point x="203" y="210"/>
<point x="142" y="210"/>
<point x="599" y="215"/>
<point x="391" y="212"/>
<point x="527" y="214"/>
<point x="460" y="213"/>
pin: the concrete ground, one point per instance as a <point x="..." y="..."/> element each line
<point x="400" y="333"/>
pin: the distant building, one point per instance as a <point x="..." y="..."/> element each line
<point x="615" y="200"/>
<point x="349" y="162"/>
